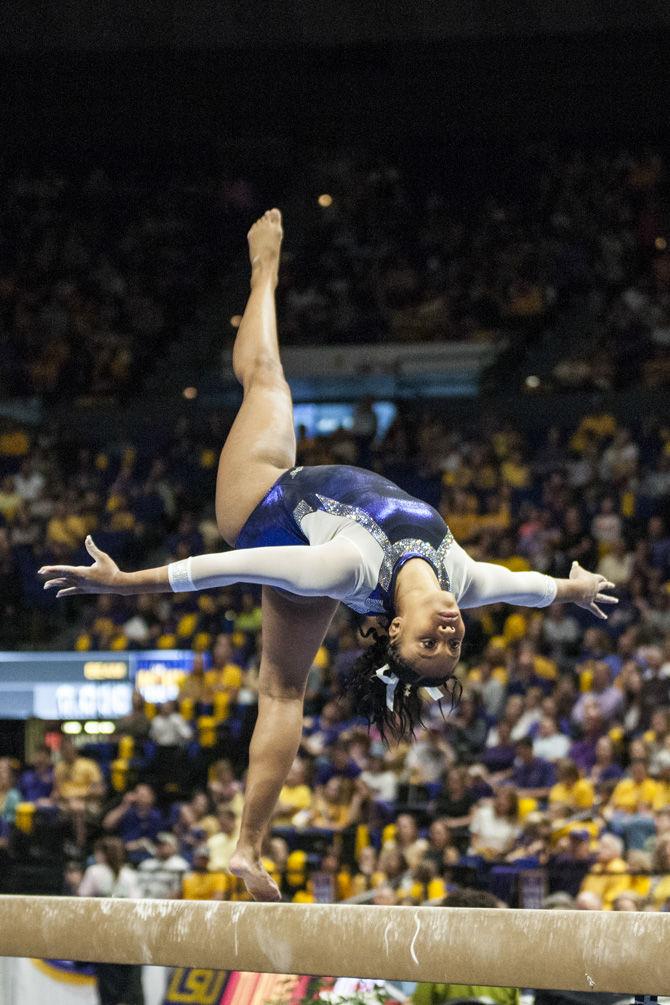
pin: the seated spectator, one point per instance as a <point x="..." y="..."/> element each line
<point x="495" y="824"/>
<point x="367" y="874"/>
<point x="616" y="565"/>
<point x="10" y="797"/>
<point x="295" y="795"/>
<point x="533" y="776"/>
<point x="436" y="994"/>
<point x="407" y="840"/>
<point x="108" y="876"/>
<point x="160" y="876"/>
<point x="608" y="876"/>
<point x="193" y="822"/>
<point x="195" y="687"/>
<point x="549" y="743"/>
<point x="137" y="821"/>
<point x="429" y="757"/>
<point x="534" y="841"/>
<point x="499" y="758"/>
<point x="607" y="698"/>
<point x="630" y="901"/>
<point x="571" y="790"/>
<point x="441" y="848"/>
<point x="455" y="804"/>
<point x="337" y="763"/>
<point x="221" y="845"/>
<point x="379" y="780"/>
<point x="605" y="772"/>
<point x="37" y="782"/>
<point x="583" y="750"/>
<point x="468" y="728"/>
<point x="659" y="887"/>
<point x="78" y="789"/>
<point x="636" y="793"/>
<point x="137" y="723"/>
<point x="169" y="728"/>
<point x="331" y="808"/>
<point x="223" y="787"/>
<point x="200" y="883"/>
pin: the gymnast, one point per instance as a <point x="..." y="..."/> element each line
<point x="315" y="537"/>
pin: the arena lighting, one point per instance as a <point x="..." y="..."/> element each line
<point x="660" y="244"/>
<point x="71" y="728"/>
<point x="532" y="381"/>
<point x="325" y="200"/>
<point x="190" y="393"/>
<point x="99" y="728"/>
<point x="236" y="320"/>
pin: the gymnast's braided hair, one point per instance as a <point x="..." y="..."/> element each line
<point x="385" y="688"/>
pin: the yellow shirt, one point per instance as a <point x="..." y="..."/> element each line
<point x="629" y="795"/>
<point x="221" y="847"/>
<point x="579" y="796"/>
<point x="74" y="781"/>
<point x="204" y="886"/>
<point x="298" y="797"/>
<point x="607" y="881"/>
<point x="227" y="678"/>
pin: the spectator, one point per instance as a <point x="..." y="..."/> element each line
<point x="160" y="876"/>
<point x="168" y="728"/>
<point x="137" y="723"/>
<point x="550" y="744"/>
<point x="605" y="772"/>
<point x="533" y="776"/>
<point x="37" y="782"/>
<point x="137" y="822"/>
<point x="223" y="787"/>
<point x="495" y="824"/>
<point x="10" y="797"/>
<point x="455" y="804"/>
<point x="635" y="793"/>
<point x="200" y="883"/>
<point x="571" y="790"/>
<point x="608" y="877"/>
<point x="380" y="781"/>
<point x="407" y="840"/>
<point x="220" y="846"/>
<point x="295" y="795"/>
<point x="603" y="694"/>
<point x="78" y="790"/>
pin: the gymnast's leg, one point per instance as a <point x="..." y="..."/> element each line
<point x="261" y="442"/>
<point x="293" y="630"/>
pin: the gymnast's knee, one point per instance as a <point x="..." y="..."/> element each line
<point x="264" y="371"/>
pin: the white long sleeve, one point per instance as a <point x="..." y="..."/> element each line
<point x="478" y="583"/>
<point x="332" y="569"/>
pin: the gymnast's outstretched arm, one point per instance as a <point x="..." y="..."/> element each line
<point x="322" y="570"/>
<point x="486" y="583"/>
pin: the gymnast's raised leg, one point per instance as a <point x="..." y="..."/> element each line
<point x="259" y="448"/>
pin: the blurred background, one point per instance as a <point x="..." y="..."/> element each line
<point x="475" y="301"/>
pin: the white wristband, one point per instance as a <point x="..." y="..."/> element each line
<point x="179" y="574"/>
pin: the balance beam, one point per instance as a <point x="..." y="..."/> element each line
<point x="626" y="952"/>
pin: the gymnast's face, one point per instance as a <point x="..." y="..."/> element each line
<point x="429" y="636"/>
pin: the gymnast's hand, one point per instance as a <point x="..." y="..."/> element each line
<point x="588" y="590"/>
<point x="104" y="576"/>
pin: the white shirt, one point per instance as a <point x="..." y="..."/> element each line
<point x="100" y="881"/>
<point x="383" y="784"/>
<point x="161" y="878"/>
<point x="170" y="730"/>
<point x="494" y="832"/>
<point x="551" y="748"/>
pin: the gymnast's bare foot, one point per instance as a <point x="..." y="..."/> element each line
<point x="258" y="882"/>
<point x="265" y="239"/>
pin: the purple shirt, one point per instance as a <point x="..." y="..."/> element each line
<point x="538" y="774"/>
<point x="609" y="701"/>
<point x="36" y="785"/>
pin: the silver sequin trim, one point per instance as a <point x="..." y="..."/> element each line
<point x="391" y="552"/>
<point x="294" y="471"/>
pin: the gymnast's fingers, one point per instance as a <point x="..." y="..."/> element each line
<point x="604" y="598"/>
<point x="71" y="591"/>
<point x="57" y="570"/>
<point x="52" y="584"/>
<point x="593" y="607"/>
